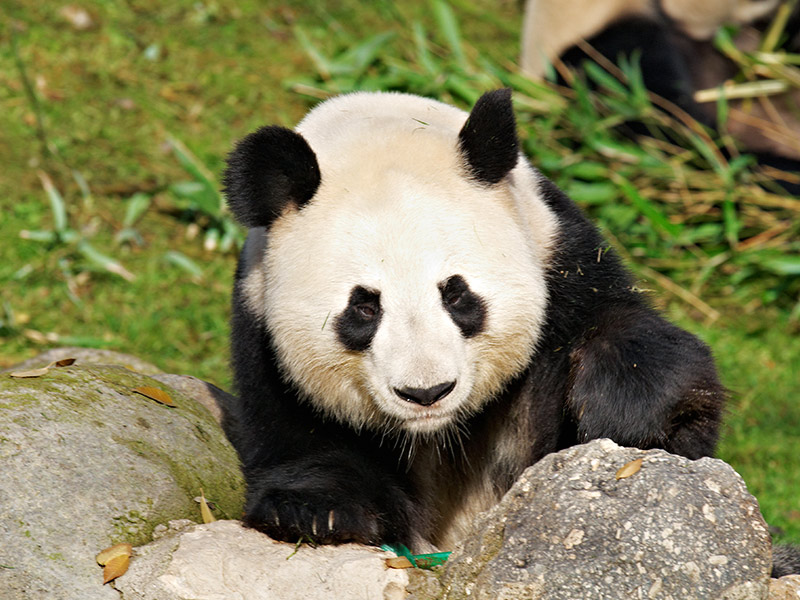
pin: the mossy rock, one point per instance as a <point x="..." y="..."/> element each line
<point x="87" y="463"/>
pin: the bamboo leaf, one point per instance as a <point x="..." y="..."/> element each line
<point x="103" y="262"/>
<point x="448" y="27"/>
<point x="647" y="208"/>
<point x="57" y="206"/>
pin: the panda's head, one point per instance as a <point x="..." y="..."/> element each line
<point x="396" y="255"/>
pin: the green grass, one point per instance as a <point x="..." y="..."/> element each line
<point x="722" y="253"/>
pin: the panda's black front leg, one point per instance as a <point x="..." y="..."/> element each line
<point x="641" y="381"/>
<point x="307" y="477"/>
<point x="334" y="499"/>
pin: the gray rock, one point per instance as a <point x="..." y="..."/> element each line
<point x="785" y="588"/>
<point x="87" y="463"/>
<point x="224" y="560"/>
<point x="676" y="529"/>
<point x="201" y="391"/>
<point x="89" y="356"/>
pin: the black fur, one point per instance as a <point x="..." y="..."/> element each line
<point x="665" y="57"/>
<point x="488" y="140"/>
<point x="657" y="45"/>
<point x="465" y="307"/>
<point x="267" y="170"/>
<point x="607" y="365"/>
<point x="356" y="326"/>
<point x="785" y="560"/>
<point x="298" y="466"/>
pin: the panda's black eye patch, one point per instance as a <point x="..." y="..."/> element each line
<point x="357" y="323"/>
<point x="466" y="308"/>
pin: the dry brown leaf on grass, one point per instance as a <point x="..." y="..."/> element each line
<point x="629" y="469"/>
<point x="114" y="560"/>
<point x="64" y="362"/>
<point x="155" y="394"/>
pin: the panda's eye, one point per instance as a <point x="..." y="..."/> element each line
<point x="453" y="291"/>
<point x="357" y="323"/>
<point x="454" y="298"/>
<point x="466" y="308"/>
<point x="367" y="311"/>
<point x="365" y="304"/>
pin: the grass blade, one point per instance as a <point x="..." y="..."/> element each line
<point x="103" y="262"/>
<point x="448" y="27"/>
<point x="180" y="260"/>
<point x="647" y="208"/>
<point x="211" y="198"/>
<point x="57" y="206"/>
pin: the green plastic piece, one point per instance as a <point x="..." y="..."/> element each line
<point x="421" y="561"/>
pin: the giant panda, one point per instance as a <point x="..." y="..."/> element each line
<point x="418" y="315"/>
<point x="672" y="41"/>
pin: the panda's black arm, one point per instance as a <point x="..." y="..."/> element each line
<point x="644" y="382"/>
<point x="631" y="375"/>
<point x="307" y="478"/>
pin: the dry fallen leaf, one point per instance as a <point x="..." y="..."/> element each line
<point x="629" y="469"/>
<point x="31" y="372"/>
<point x="205" y="511"/>
<point x="398" y="562"/>
<point x="64" y="362"/>
<point x="115" y="567"/>
<point x="114" y="560"/>
<point x="113" y="552"/>
<point x="155" y="394"/>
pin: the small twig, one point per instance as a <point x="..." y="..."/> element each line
<point x="763" y="237"/>
<point x="749" y="89"/>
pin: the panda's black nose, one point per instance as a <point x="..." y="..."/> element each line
<point x="426" y="396"/>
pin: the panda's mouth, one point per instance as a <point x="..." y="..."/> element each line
<point x="416" y="418"/>
<point x="428" y="421"/>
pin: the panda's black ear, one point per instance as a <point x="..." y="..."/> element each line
<point x="488" y="140"/>
<point x="267" y="170"/>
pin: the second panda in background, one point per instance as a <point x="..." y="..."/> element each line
<point x="673" y="42"/>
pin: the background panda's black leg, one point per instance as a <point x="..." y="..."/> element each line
<point x="307" y="478"/>
<point x="643" y="382"/>
<point x="657" y="48"/>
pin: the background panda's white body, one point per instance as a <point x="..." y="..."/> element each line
<point x="418" y="315"/>
<point x="551" y="26"/>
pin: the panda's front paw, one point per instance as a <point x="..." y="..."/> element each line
<point x="297" y="516"/>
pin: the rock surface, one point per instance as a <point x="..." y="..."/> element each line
<point x="87" y="463"/>
<point x="674" y="529"/>
<point x="86" y="356"/>
<point x="785" y="588"/>
<point x="224" y="560"/>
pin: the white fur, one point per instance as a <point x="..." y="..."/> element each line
<point x="397" y="212"/>
<point x="551" y="26"/>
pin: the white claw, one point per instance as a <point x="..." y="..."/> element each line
<point x="330" y="521"/>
